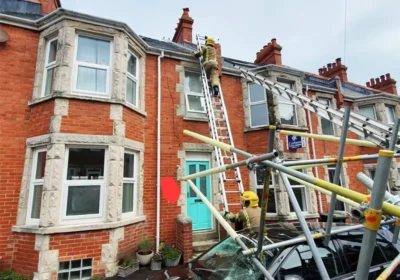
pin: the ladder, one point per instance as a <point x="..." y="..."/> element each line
<point x="230" y="182"/>
<point x="370" y="129"/>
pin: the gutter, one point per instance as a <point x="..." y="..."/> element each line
<point x="158" y="150"/>
<point x="319" y="88"/>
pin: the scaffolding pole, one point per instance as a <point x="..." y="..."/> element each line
<point x="388" y="271"/>
<point x="265" y="194"/>
<point x="338" y="169"/>
<point x="314" y="250"/>
<point x="373" y="214"/>
<point x="229" y="229"/>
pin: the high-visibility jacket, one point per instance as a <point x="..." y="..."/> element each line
<point x="208" y="53"/>
<point x="248" y="217"/>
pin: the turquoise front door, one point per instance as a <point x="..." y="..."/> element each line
<point x="196" y="209"/>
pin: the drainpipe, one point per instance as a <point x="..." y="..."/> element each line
<point x="158" y="149"/>
<point x="313" y="152"/>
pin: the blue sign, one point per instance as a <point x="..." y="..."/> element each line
<point x="295" y="142"/>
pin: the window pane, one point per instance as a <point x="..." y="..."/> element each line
<point x="87" y="273"/>
<point x="324" y="101"/>
<point x="76" y="264"/>
<point x="339" y="205"/>
<point x="368" y="111"/>
<point x="195" y="103"/>
<point x="52" y="51"/>
<point x="49" y="82"/>
<point x="300" y="197"/>
<point x="75" y="275"/>
<point x="63" y="276"/>
<point x="93" y="50"/>
<point x="131" y="91"/>
<point x="259" y="114"/>
<point x="132" y="65"/>
<point x="203" y="181"/>
<point x="129" y="162"/>
<point x="293" y="182"/>
<point x="40" y="165"/>
<point x="83" y="200"/>
<point x="327" y="127"/>
<point x="36" y="201"/>
<point x="85" y="163"/>
<point x="87" y="262"/>
<point x="271" y="206"/>
<point x="193" y="82"/>
<point x="127" y="198"/>
<point x="91" y="79"/>
<point x="192" y="170"/>
<point x="63" y="265"/>
<point x="287" y="113"/>
<point x="260" y="177"/>
<point x="257" y="93"/>
<point x="390" y="115"/>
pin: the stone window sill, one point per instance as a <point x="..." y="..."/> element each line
<point x="196" y="119"/>
<point x="77" y="227"/>
<point x="87" y="98"/>
<point x="281" y="127"/>
<point x="290" y="217"/>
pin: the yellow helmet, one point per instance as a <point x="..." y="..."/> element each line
<point x="210" y="41"/>
<point x="252" y="197"/>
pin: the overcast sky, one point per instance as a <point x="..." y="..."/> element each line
<point x="310" y="32"/>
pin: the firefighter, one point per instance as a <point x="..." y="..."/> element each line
<point x="249" y="217"/>
<point x="210" y="63"/>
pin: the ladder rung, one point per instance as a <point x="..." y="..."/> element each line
<point x="233" y="204"/>
<point x="222" y="128"/>
<point x="232" y="180"/>
<point x="219" y="119"/>
<point x="223" y="137"/>
<point x="232" y="191"/>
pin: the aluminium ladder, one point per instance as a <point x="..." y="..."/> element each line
<point x="230" y="182"/>
<point x="370" y="129"/>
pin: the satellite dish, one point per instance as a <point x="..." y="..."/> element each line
<point x="3" y="36"/>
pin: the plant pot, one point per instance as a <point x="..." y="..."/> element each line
<point x="172" y="262"/>
<point x="155" y="264"/>
<point x="123" y="272"/>
<point x="144" y="259"/>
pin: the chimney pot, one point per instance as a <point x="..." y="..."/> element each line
<point x="388" y="76"/>
<point x="269" y="54"/>
<point x="377" y="80"/>
<point x="382" y="78"/>
<point x="333" y="65"/>
<point x="273" y="41"/>
<point x="368" y="84"/>
<point x="329" y="66"/>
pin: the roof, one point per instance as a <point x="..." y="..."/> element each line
<point x="21" y="9"/>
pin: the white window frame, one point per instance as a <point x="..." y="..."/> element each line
<point x="333" y="168"/>
<point x="287" y="102"/>
<point x="133" y="78"/>
<point x="261" y="187"/>
<point x="135" y="185"/>
<point x="48" y="66"/>
<point x="94" y="66"/>
<point x="365" y="106"/>
<point x="34" y="182"/>
<point x="202" y="99"/>
<point x="257" y="103"/>
<point x="67" y="183"/>
<point x="305" y="198"/>
<point x="330" y="106"/>
<point x="393" y="109"/>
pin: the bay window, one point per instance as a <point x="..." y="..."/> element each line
<point x="36" y="187"/>
<point x="194" y="93"/>
<point x="390" y="114"/>
<point x="92" y="65"/>
<point x="84" y="184"/>
<point x="368" y="111"/>
<point x="258" y="106"/>
<point x="49" y="65"/>
<point x="132" y="85"/>
<point x="129" y="185"/>
<point x="287" y="109"/>
<point x="327" y="126"/>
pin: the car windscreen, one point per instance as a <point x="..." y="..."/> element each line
<point x="226" y="261"/>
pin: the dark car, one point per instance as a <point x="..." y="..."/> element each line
<point x="225" y="260"/>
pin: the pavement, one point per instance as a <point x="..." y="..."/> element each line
<point x="140" y="274"/>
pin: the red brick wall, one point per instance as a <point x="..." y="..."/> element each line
<point x="134" y="125"/>
<point x="132" y="234"/>
<point x="40" y="118"/>
<point x="25" y="257"/>
<point x="87" y="117"/>
<point x="73" y="246"/>
<point x="17" y="68"/>
<point x="48" y="6"/>
<point x="184" y="240"/>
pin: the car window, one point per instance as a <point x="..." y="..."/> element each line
<point x="351" y="246"/>
<point x="300" y="262"/>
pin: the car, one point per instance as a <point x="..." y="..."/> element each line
<point x="225" y="260"/>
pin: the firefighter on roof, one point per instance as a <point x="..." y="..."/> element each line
<point x="249" y="217"/>
<point x="209" y="55"/>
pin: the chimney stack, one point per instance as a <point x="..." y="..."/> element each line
<point x="269" y="54"/>
<point x="334" y="69"/>
<point x="183" y="32"/>
<point x="384" y="83"/>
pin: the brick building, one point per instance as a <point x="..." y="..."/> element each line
<point x="80" y="127"/>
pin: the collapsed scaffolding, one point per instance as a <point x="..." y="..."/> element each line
<point x="367" y="208"/>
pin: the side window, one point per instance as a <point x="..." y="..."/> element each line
<point x="300" y="262"/>
<point x="351" y="246"/>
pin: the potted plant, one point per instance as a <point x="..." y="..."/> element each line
<point x="145" y="252"/>
<point x="127" y="266"/>
<point x="156" y="262"/>
<point x="171" y="256"/>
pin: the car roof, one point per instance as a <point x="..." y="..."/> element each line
<point x="283" y="231"/>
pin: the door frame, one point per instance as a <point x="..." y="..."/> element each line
<point x="200" y="159"/>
